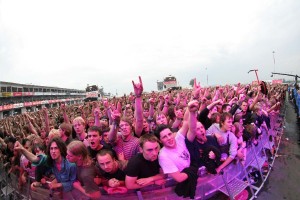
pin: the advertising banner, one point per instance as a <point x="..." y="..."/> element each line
<point x="277" y="81"/>
<point x="8" y="107"/>
<point x="36" y="103"/>
<point x="28" y="93"/>
<point x="45" y="102"/>
<point x="93" y="94"/>
<point x="17" y="94"/>
<point x="18" y="105"/>
<point x="26" y="104"/>
<point x="7" y="94"/>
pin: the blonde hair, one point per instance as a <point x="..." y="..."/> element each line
<point x="79" y="120"/>
<point x="54" y="133"/>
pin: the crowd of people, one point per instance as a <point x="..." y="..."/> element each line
<point x="138" y="140"/>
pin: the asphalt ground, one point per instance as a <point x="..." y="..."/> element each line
<point x="284" y="179"/>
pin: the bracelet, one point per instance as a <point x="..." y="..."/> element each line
<point x="37" y="184"/>
<point x="115" y="125"/>
<point x="150" y="119"/>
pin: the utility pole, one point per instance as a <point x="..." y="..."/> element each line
<point x="274" y="59"/>
<point x="206" y="76"/>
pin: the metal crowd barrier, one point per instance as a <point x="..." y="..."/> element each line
<point x="9" y="186"/>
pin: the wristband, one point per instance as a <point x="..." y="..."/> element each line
<point x="115" y="125"/>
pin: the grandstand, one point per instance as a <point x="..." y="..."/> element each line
<point x="16" y="98"/>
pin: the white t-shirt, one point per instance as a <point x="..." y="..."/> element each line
<point x="174" y="159"/>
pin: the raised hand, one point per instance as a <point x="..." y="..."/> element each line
<point x="18" y="146"/>
<point x="196" y="89"/>
<point x="97" y="112"/>
<point x="167" y="98"/>
<point x="151" y="101"/>
<point x="138" y="87"/>
<point x="45" y="111"/>
<point x="116" y="117"/>
<point x="193" y="106"/>
<point x="63" y="107"/>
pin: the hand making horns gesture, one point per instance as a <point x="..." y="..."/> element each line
<point x="138" y="88"/>
<point x="196" y="89"/>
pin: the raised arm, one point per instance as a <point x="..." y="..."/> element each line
<point x="46" y="117"/>
<point x="196" y="90"/>
<point x="151" y="108"/>
<point x="166" y="105"/>
<point x="255" y="100"/>
<point x="30" y="126"/>
<point x="138" y="111"/>
<point x="64" y="111"/>
<point x="193" y="107"/>
<point x="119" y="106"/>
<point x="210" y="106"/>
<point x="217" y="94"/>
<point x="30" y="156"/>
<point x="112" y="136"/>
<point x="179" y="117"/>
<point x="273" y="107"/>
<point x="96" y="113"/>
<point x="3" y="143"/>
<point x="107" y="109"/>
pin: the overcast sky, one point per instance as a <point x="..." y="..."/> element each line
<point x="109" y="43"/>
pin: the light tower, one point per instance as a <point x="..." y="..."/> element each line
<point x="274" y="59"/>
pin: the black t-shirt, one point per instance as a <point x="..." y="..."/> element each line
<point x="203" y="118"/>
<point x="257" y="120"/>
<point x="247" y="118"/>
<point x="9" y="154"/>
<point x="139" y="167"/>
<point x="119" y="174"/>
<point x="196" y="149"/>
<point x="93" y="153"/>
<point x="68" y="141"/>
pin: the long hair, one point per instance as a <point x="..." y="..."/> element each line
<point x="67" y="128"/>
<point x="61" y="146"/>
<point x="77" y="148"/>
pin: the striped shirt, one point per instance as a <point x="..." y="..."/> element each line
<point x="128" y="148"/>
